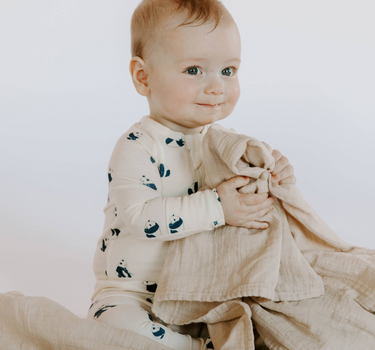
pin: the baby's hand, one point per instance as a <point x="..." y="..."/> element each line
<point x="283" y="173"/>
<point x="242" y="209"/>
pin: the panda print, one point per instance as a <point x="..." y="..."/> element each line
<point x="217" y="196"/>
<point x="215" y="223"/>
<point x="122" y="270"/>
<point x="115" y="211"/>
<point x="134" y="136"/>
<point x="102" y="309"/>
<point x="176" y="224"/>
<point x="174" y="143"/>
<point x="147" y="182"/>
<point x="104" y="244"/>
<point x="152" y="229"/>
<point x="164" y="171"/>
<point x="115" y="233"/>
<point x="110" y="171"/>
<point x="151" y="286"/>
<point x="158" y="332"/>
<point x="193" y="188"/>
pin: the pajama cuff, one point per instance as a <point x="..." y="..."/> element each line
<point x="220" y="220"/>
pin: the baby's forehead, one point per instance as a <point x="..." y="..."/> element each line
<point x="163" y="27"/>
<point x="172" y="37"/>
<point x="168" y="24"/>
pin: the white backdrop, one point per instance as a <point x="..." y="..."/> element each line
<point x="66" y="96"/>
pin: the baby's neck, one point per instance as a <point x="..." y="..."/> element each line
<point x="178" y="128"/>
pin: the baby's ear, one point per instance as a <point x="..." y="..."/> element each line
<point x="138" y="72"/>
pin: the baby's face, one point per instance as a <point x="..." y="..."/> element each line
<point x="192" y="75"/>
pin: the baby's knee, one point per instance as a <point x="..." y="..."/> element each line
<point x="136" y="319"/>
<point x="119" y="315"/>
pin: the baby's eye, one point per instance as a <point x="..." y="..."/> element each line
<point x="193" y="70"/>
<point x="227" y="71"/>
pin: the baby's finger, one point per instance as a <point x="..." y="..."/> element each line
<point x="258" y="215"/>
<point x="280" y="165"/>
<point x="283" y="174"/>
<point x="289" y="180"/>
<point x="253" y="198"/>
<point x="257" y="225"/>
<point x="276" y="155"/>
<point x="237" y="181"/>
<point x="256" y="209"/>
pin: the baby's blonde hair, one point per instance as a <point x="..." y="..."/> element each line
<point x="150" y="13"/>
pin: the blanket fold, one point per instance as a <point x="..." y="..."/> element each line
<point x="226" y="276"/>
<point x="38" y="323"/>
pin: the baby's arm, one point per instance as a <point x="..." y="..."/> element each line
<point x="136" y="188"/>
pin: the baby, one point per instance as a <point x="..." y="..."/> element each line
<point x="186" y="57"/>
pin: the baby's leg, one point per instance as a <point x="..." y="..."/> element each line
<point x="134" y="315"/>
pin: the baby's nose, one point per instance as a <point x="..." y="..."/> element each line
<point x="214" y="85"/>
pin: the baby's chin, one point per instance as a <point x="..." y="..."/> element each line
<point x="212" y="116"/>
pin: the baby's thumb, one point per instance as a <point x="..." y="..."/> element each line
<point x="258" y="225"/>
<point x="238" y="181"/>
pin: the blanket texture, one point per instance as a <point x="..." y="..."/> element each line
<point x="295" y="285"/>
<point x="38" y="323"/>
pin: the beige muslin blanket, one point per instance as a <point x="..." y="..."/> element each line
<point x="297" y="282"/>
<point x="38" y="323"/>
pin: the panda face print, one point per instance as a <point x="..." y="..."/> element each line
<point x="104" y="244"/>
<point x="134" y="136"/>
<point x="122" y="271"/>
<point x="158" y="332"/>
<point x="115" y="211"/>
<point x="193" y="188"/>
<point x="176" y="224"/>
<point x="174" y="143"/>
<point x="152" y="229"/>
<point x="164" y="171"/>
<point x="147" y="182"/>
<point x="110" y="171"/>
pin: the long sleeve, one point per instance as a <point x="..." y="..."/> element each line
<point x="137" y="183"/>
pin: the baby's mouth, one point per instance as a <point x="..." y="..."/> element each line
<point x="215" y="106"/>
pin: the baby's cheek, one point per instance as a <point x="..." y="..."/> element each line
<point x="233" y="96"/>
<point x="235" y="92"/>
<point x="181" y="96"/>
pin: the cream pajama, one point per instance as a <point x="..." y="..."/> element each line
<point x="154" y="175"/>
